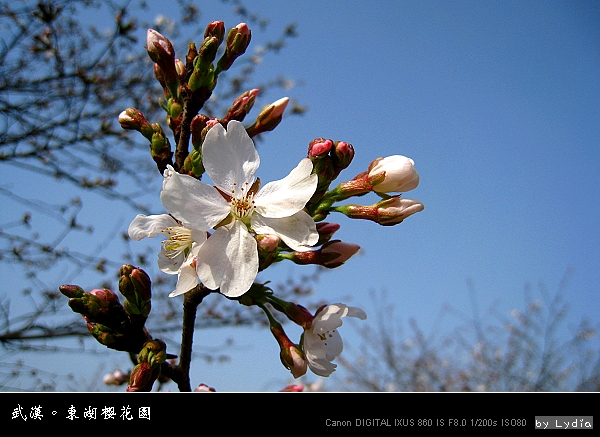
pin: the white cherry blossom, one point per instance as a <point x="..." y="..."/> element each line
<point x="237" y="209"/>
<point x="178" y="250"/>
<point x="322" y="342"/>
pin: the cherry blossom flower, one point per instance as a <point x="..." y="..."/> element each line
<point x="178" y="250"/>
<point x="321" y="341"/>
<point x="237" y="209"/>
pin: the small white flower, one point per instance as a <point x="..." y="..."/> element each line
<point x="321" y="341"/>
<point x="237" y="209"/>
<point x="178" y="250"/>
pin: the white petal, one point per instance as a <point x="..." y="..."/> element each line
<point x="356" y="312"/>
<point x="211" y="261"/>
<point x="329" y="318"/>
<point x="199" y="237"/>
<point x="194" y="202"/>
<point x="228" y="260"/>
<point x="289" y="195"/>
<point x="333" y="345"/>
<point x="229" y="157"/>
<point x="316" y="355"/>
<point x="144" y="226"/>
<point x="168" y="265"/>
<point x="186" y="280"/>
<point x="298" y="231"/>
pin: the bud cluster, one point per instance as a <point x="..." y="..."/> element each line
<point x="392" y="174"/>
<point x="187" y="86"/>
<point x="329" y="158"/>
<point x="116" y="326"/>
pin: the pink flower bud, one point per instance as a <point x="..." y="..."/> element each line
<point x="142" y="378"/>
<point x="343" y="153"/>
<point x="161" y="51"/>
<point x="237" y="41"/>
<point x="159" y="47"/>
<point x="267" y="243"/>
<point x="105" y="297"/>
<point x="241" y="106"/>
<point x="326" y="231"/>
<point x="216" y="29"/>
<point x="393" y="174"/>
<point x="238" y="38"/>
<point x="180" y="68"/>
<point x="336" y="253"/>
<point x="319" y="147"/>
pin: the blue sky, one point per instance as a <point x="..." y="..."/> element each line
<point x="498" y="103"/>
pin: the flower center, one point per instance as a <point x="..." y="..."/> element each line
<point x="242" y="200"/>
<point x="323" y="337"/>
<point x="179" y="239"/>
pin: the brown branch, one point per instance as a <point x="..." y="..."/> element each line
<point x="180" y="374"/>
<point x="192" y="104"/>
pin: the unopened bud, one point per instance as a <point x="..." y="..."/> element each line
<point x="159" y="48"/>
<point x="336" y="252"/>
<point x="319" y="148"/>
<point x="101" y="306"/>
<point x="162" y="53"/>
<point x="106" y="336"/>
<point x="269" y="117"/>
<point x="326" y="231"/>
<point x="198" y="124"/>
<point x="268" y="247"/>
<point x="203" y="75"/>
<point x="393" y="174"/>
<point x="133" y="119"/>
<point x="154" y="352"/>
<point x="193" y="163"/>
<point x="241" y="106"/>
<point x="216" y="29"/>
<point x="387" y="212"/>
<point x="160" y="148"/>
<point x="191" y="54"/>
<point x="237" y="41"/>
<point x="342" y="155"/>
<point x="72" y="291"/>
<point x="209" y="125"/>
<point x="396" y="209"/>
<point x="135" y="285"/>
<point x="331" y="255"/>
<point x="142" y="378"/>
<point x="150" y="358"/>
<point x="290" y="354"/>
<point x="180" y="68"/>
